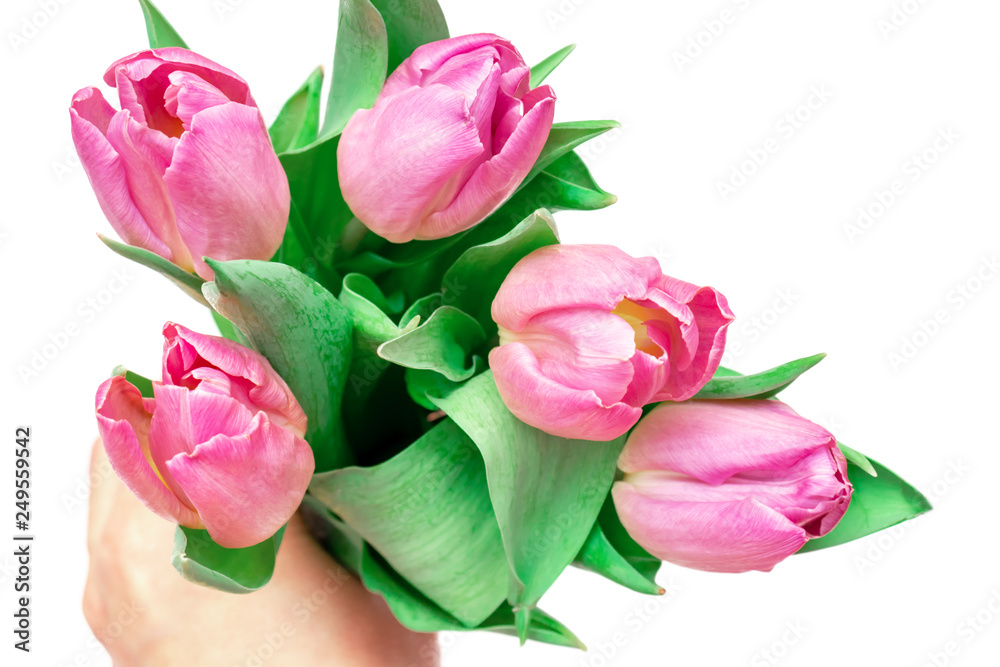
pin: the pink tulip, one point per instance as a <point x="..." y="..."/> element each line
<point x="219" y="446"/>
<point x="729" y="486"/>
<point x="186" y="168"/>
<point x="589" y="335"/>
<point x="453" y="133"/>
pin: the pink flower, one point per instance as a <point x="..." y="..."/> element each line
<point x="186" y="168"/>
<point x="219" y="446"/>
<point x="729" y="486"/>
<point x="589" y="335"/>
<point x="453" y="133"/>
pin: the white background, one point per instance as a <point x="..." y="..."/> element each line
<point x="777" y="247"/>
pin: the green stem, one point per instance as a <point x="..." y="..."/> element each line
<point x="354" y="232"/>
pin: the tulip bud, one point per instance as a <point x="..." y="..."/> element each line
<point x="453" y="133"/>
<point x="729" y="486"/>
<point x="219" y="446"/>
<point x="589" y="335"/>
<point x="186" y="168"/>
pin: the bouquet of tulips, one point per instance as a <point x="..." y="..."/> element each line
<point x="462" y="405"/>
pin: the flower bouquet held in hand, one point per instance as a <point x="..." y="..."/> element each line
<point x="461" y="405"/>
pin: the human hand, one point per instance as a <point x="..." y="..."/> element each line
<point x="313" y="612"/>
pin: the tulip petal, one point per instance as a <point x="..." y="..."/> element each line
<point x="712" y="316"/>
<point x="91" y="116"/>
<point x="714" y="440"/>
<point x="184" y="419"/>
<point x="812" y="493"/>
<point x="229" y="190"/>
<point x="140" y="66"/>
<point x="188" y="94"/>
<point x="671" y="325"/>
<point x="648" y="375"/>
<point x="431" y="57"/>
<point x="497" y="178"/>
<point x="145" y="155"/>
<point x="246" y="487"/>
<point x="571" y="276"/>
<point x="551" y="406"/>
<point x="406" y="157"/>
<point x="716" y="537"/>
<point x="124" y="424"/>
<point x="581" y="349"/>
<point x="185" y="351"/>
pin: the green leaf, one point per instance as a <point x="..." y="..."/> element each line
<point x="199" y="559"/>
<point x="543" y="628"/>
<point x="542" y="70"/>
<point x="372" y="327"/>
<point x="566" y="184"/>
<point x="600" y="556"/>
<point x="189" y="282"/>
<point x="228" y="330"/>
<point x="418" y="613"/>
<point x="303" y="331"/>
<point x="316" y="197"/>
<point x="427" y="511"/>
<point x="161" y="33"/>
<point x="423" y="308"/>
<point x="143" y="384"/>
<point x="877" y="503"/>
<point x="443" y="344"/>
<point x="546" y="491"/>
<point x="641" y="560"/>
<point x="858" y="459"/>
<point x="409" y="24"/>
<point x="759" y="385"/>
<point x="611" y="552"/>
<point x="474" y="279"/>
<point x="421" y="384"/>
<point x="411" y="607"/>
<point x="359" y="63"/>
<point x="564" y="137"/>
<point x="297" y="124"/>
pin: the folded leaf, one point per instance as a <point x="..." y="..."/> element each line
<point x="411" y="607"/>
<point x="427" y="511"/>
<point x="546" y="491"/>
<point x="199" y="559"/>
<point x="421" y="384"/>
<point x="474" y="279"/>
<point x="442" y="344"/>
<point x="303" y="331"/>
<point x="759" y="385"/>
<point x="877" y="503"/>
<point x="372" y="327"/>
